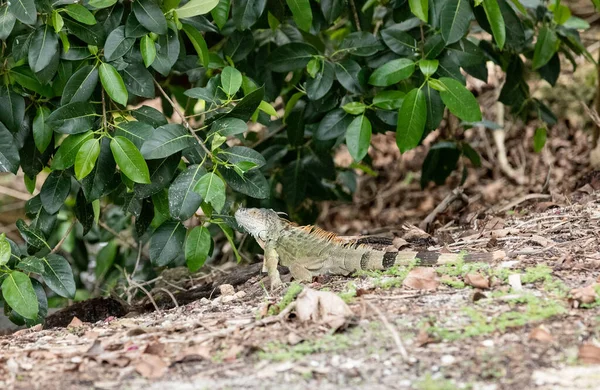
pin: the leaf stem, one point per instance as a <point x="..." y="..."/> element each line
<point x="62" y="240"/>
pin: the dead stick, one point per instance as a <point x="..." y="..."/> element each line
<point x="457" y="193"/>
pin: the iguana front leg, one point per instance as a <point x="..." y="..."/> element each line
<point x="270" y="264"/>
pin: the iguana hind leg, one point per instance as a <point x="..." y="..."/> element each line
<point x="299" y="273"/>
<point x="270" y="264"/>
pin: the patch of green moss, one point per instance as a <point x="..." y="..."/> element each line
<point x="391" y="277"/>
<point x="290" y="295"/>
<point x="429" y="383"/>
<point x="526" y="309"/>
<point x="349" y="293"/>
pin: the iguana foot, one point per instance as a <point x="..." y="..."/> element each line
<point x="300" y="274"/>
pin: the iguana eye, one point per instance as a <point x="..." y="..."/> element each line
<point x="262" y="235"/>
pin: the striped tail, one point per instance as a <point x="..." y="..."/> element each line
<point x="375" y="260"/>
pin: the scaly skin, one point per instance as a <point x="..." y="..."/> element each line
<point x="310" y="251"/>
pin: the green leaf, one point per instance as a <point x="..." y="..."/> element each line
<point x="99" y="4"/>
<point x="291" y="56"/>
<point x="220" y="13"/>
<point x="198" y="245"/>
<point x="117" y="45"/>
<point x="361" y="43"/>
<point x="302" y="13"/>
<point x="496" y="20"/>
<point x="347" y="72"/>
<point x="245" y="13"/>
<point x="228" y="126"/>
<point x="212" y="190"/>
<point x="81" y="85"/>
<point x="32" y="236"/>
<point x="547" y="44"/>
<point x="12" y="110"/>
<point x="428" y="67"/>
<point x="80" y="13"/>
<point x="196" y="7"/>
<point x="354" y="108"/>
<point x="358" y="137"/>
<point x="149" y="115"/>
<point x="389" y="100"/>
<point x="67" y="152"/>
<point x="333" y="125"/>
<point x="456" y="17"/>
<point x="136" y="132"/>
<point x="459" y="100"/>
<point x="539" y="139"/>
<point x="252" y="183"/>
<point x="58" y="275"/>
<point x="435" y="108"/>
<point x="231" y="80"/>
<point x="9" y="154"/>
<point x="105" y="259"/>
<point x="165" y="141"/>
<point x="138" y="80"/>
<point x="439" y="163"/>
<point x="248" y="105"/>
<point x="471" y="154"/>
<point x="162" y="172"/>
<point x="7" y="22"/>
<point x="392" y="72"/>
<point x="86" y="158"/>
<point x="130" y="160"/>
<point x="5" y="250"/>
<point x="236" y="154"/>
<point x="199" y="44"/>
<point x="19" y="294"/>
<point x="411" y="120"/>
<point x="167" y="54"/>
<point x="419" y="8"/>
<point x="57" y="21"/>
<point x="31" y="264"/>
<point x="42" y="133"/>
<point x="92" y="35"/>
<point x="24" y="10"/>
<point x="95" y="184"/>
<point x="84" y="212"/>
<point x="43" y="47"/>
<point x="148" y="49"/>
<point x="55" y="191"/>
<point x="561" y="12"/>
<point x="166" y="243"/>
<point x="318" y="86"/>
<point x="149" y="14"/>
<point x="25" y="76"/>
<point x="113" y="83"/>
<point x="72" y="118"/>
<point x="267" y="109"/>
<point x="399" y="41"/>
<point x="183" y="201"/>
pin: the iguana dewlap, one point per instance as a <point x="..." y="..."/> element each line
<point x="309" y="251"/>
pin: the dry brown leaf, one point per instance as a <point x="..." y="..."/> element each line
<point x="151" y="366"/>
<point x="589" y="353"/>
<point x="233" y="352"/>
<point x="194" y="353"/>
<point x="585" y="294"/>
<point x="477" y="280"/>
<point x="155" y="348"/>
<point x="75" y="323"/>
<point x="424" y="338"/>
<point x="96" y="349"/>
<point x="422" y="278"/>
<point x="293" y="338"/>
<point x="541" y="333"/>
<point x="322" y="307"/>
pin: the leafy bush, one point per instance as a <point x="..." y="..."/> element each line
<point x="122" y="175"/>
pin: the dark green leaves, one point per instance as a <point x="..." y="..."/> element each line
<point x="43" y="47"/>
<point x="246" y="12"/>
<point x="358" y="137"/>
<point x="24" y="10"/>
<point x="9" y="154"/>
<point x="333" y="125"/>
<point x="12" y="110"/>
<point x="67" y="152"/>
<point x="58" y="275"/>
<point x="117" y="45"/>
<point x="55" y="190"/>
<point x="7" y="22"/>
<point x="113" y="83"/>
<point x="399" y="41"/>
<point x="459" y="100"/>
<point x="149" y="14"/>
<point x="165" y="141"/>
<point x="301" y="13"/>
<point x="291" y="56"/>
<point x="455" y="16"/>
<point x="92" y="35"/>
<point x="138" y="80"/>
<point x="392" y="72"/>
<point x="167" y="54"/>
<point x="130" y="160"/>
<point x="81" y="85"/>
<point x="183" y="201"/>
<point x="73" y="118"/>
<point x="212" y="189"/>
<point x="545" y="47"/>
<point x="167" y="243"/>
<point x="411" y="120"/>
<point x="18" y="292"/>
<point x="80" y="13"/>
<point x="198" y="246"/>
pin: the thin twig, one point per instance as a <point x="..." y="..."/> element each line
<point x="171" y="295"/>
<point x="355" y="14"/>
<point x="14" y="193"/>
<point x="186" y="124"/>
<point x="62" y="240"/>
<point x="392" y="331"/>
<point x="524" y="199"/>
<point x="457" y="193"/>
<point x="104" y="121"/>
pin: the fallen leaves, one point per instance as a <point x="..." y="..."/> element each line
<point x="584" y="295"/>
<point x="589" y="353"/>
<point x="422" y="278"/>
<point x="322" y="307"/>
<point x="151" y="366"/>
<point x="541" y="333"/>
<point x="477" y="280"/>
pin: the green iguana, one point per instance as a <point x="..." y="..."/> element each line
<point x="309" y="251"/>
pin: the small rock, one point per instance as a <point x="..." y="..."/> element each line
<point x="228" y="298"/>
<point x="240" y="294"/>
<point x="204" y="301"/>
<point x="488" y="343"/>
<point x="447" y="360"/>
<point x="226" y="289"/>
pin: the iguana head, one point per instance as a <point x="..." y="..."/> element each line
<point x="262" y="224"/>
